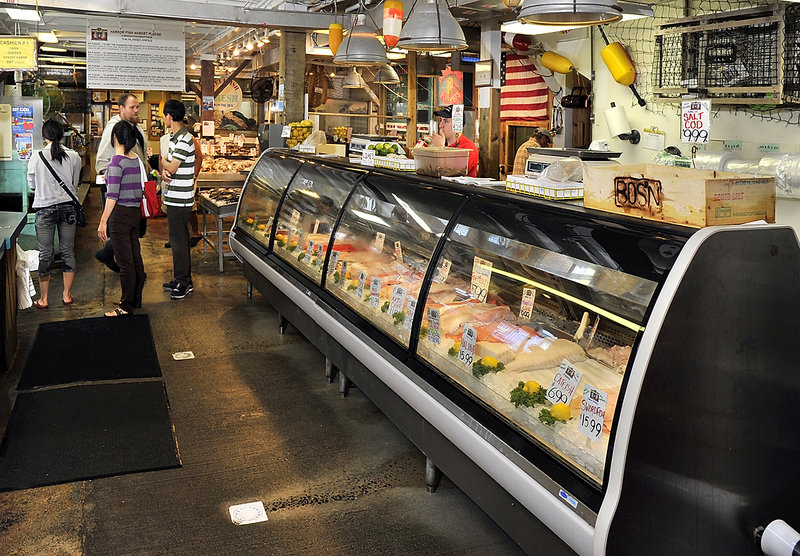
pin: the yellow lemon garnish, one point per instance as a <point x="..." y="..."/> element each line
<point x="489" y="361"/>
<point x="561" y="412"/>
<point x="531" y="387"/>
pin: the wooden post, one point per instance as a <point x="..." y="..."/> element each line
<point x="206" y="89"/>
<point x="489" y="136"/>
<point x="411" y="132"/>
<point x="292" y="69"/>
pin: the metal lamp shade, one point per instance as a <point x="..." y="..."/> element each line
<point x="361" y="48"/>
<point x="352" y="80"/>
<point x="576" y="12"/>
<point x="427" y="66"/>
<point x="386" y="74"/>
<point x="431" y="27"/>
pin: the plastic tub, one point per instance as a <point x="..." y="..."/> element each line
<point x="441" y="161"/>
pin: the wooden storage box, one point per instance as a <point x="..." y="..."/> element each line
<point x="683" y="196"/>
<point x="339" y="149"/>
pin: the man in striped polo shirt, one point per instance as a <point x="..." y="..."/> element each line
<point x="178" y="175"/>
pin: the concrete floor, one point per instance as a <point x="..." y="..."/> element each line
<point x="255" y="420"/>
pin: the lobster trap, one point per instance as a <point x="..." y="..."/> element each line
<point x="742" y="57"/>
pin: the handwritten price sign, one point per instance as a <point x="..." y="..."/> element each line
<point x="434" y="327"/>
<point x="526" y="306"/>
<point x="468" y="338"/>
<point x="695" y="121"/>
<point x="593" y="411"/>
<point x="565" y="383"/>
<point x="398" y="299"/>
<point x="412" y="306"/>
<point x="481" y="277"/>
<point x="374" y="292"/>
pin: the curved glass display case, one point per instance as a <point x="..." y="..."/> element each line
<point x="382" y="248"/>
<point x="308" y="215"/>
<point x="262" y="193"/>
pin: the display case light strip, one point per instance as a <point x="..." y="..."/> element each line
<point x="616" y="318"/>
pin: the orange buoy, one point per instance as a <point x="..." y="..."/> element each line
<point x="392" y="21"/>
<point x="335" y="33"/>
<point x="619" y="64"/>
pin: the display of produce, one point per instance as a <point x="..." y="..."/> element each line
<point x="576" y="365"/>
<point x="339" y="133"/>
<point x="298" y="132"/>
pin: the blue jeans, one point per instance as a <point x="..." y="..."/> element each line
<point x="61" y="216"/>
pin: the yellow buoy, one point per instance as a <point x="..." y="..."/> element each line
<point x="619" y="64"/>
<point x="335" y="32"/>
<point x="556" y="62"/>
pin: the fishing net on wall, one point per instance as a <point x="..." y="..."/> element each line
<point x="668" y="70"/>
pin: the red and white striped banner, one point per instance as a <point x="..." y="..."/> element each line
<point x="524" y="94"/>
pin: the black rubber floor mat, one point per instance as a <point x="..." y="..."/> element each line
<point x="88" y="431"/>
<point x="87" y="350"/>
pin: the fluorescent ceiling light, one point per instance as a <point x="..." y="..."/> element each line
<point x="630" y="11"/>
<point x="48" y="37"/>
<point x="23" y="15"/>
<point x="63" y="60"/>
<point x="52" y="49"/>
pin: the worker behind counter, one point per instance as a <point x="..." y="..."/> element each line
<point x="446" y="136"/>
<point x="538" y="140"/>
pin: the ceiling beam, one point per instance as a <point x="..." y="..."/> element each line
<point x="214" y="13"/>
<point x="235" y="72"/>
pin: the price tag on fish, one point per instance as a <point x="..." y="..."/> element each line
<point x="316" y="227"/>
<point x="398" y="251"/>
<point x="398" y="299"/>
<point x="374" y="292"/>
<point x="307" y="258"/>
<point x="332" y="263"/>
<point x="481" y="276"/>
<point x="526" y="306"/>
<point x="362" y="278"/>
<point x="380" y="237"/>
<point x="412" y="307"/>
<point x="565" y="383"/>
<point x="593" y="411"/>
<point x="434" y="327"/>
<point x="286" y="131"/>
<point x="343" y="275"/>
<point x="320" y="254"/>
<point x="468" y="338"/>
<point x="444" y="271"/>
<point x="295" y="217"/>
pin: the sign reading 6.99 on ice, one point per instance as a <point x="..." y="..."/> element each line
<point x="695" y="121"/>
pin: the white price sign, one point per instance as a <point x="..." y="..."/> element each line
<point x="468" y="339"/>
<point x="458" y="118"/>
<point x="481" y="276"/>
<point x="309" y="251"/>
<point x="526" y="306"/>
<point x="332" y="262"/>
<point x="412" y="307"/>
<point x="320" y="254"/>
<point x="316" y="227"/>
<point x="286" y="131"/>
<point x="398" y="251"/>
<point x="368" y="157"/>
<point x="362" y="278"/>
<point x="593" y="411"/>
<point x="434" y="327"/>
<point x="380" y="237"/>
<point x="444" y="271"/>
<point x="343" y="275"/>
<point x="695" y="121"/>
<point x="398" y="300"/>
<point x="565" y="383"/>
<point x="295" y="217"/>
<point x="374" y="292"/>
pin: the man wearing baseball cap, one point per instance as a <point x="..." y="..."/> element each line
<point x="446" y="136"/>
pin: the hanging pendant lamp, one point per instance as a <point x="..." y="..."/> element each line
<point x="352" y="80"/>
<point x="386" y="74"/>
<point x="427" y="66"/>
<point x="431" y="27"/>
<point x="361" y="47"/>
<point x="574" y="12"/>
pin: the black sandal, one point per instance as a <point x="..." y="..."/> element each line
<point x="118" y="312"/>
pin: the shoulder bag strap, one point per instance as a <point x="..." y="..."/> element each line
<point x="58" y="178"/>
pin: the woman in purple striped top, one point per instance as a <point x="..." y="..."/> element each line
<point x="122" y="215"/>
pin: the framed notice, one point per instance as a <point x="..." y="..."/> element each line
<point x="156" y="123"/>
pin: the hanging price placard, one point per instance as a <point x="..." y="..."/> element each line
<point x="526" y="306"/>
<point x="467" y="349"/>
<point x="444" y="271"/>
<point x="362" y="278"/>
<point x="565" y="383"/>
<point x="434" y="327"/>
<point x="481" y="276"/>
<point x="398" y="251"/>
<point x="398" y="299"/>
<point x="332" y="263"/>
<point x="593" y="411"/>
<point x="286" y="131"/>
<point x="458" y="118"/>
<point x="412" y="307"/>
<point x="380" y="237"/>
<point x="374" y="292"/>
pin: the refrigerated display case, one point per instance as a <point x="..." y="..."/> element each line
<point x="582" y="376"/>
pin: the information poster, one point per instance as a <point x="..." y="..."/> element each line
<point x="22" y="130"/>
<point x="135" y="55"/>
<point x="5" y="132"/>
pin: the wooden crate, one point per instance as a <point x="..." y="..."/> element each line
<point x="683" y="196"/>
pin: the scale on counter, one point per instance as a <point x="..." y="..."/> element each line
<point x="359" y="142"/>
<point x="539" y="158"/>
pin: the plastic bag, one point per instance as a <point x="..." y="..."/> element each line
<point x="567" y="169"/>
<point x="25" y="288"/>
<point x="316" y="138"/>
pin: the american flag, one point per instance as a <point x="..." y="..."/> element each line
<point x="523" y="94"/>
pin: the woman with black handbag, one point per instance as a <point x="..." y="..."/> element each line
<point x="53" y="175"/>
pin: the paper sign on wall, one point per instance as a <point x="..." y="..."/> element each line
<point x="695" y="121"/>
